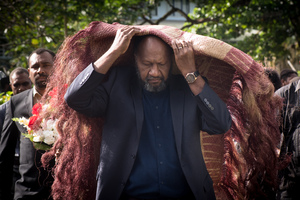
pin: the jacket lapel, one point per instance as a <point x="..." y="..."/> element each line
<point x="29" y="102"/>
<point x="136" y="93"/>
<point x="177" y="108"/>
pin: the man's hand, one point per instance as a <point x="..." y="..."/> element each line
<point x="118" y="47"/>
<point x="185" y="60"/>
<point x="184" y="56"/>
<point x="123" y="39"/>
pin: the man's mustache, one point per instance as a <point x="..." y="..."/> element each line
<point x="41" y="76"/>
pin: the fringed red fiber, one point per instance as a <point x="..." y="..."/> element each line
<point x="248" y="168"/>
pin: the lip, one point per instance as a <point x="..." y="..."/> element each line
<point x="153" y="81"/>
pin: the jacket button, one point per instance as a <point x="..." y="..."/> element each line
<point x="133" y="156"/>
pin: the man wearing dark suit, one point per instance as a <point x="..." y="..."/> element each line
<point x="19" y="82"/>
<point x="151" y="137"/>
<point x="33" y="183"/>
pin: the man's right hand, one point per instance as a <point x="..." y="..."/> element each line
<point x="118" y="47"/>
<point x="123" y="39"/>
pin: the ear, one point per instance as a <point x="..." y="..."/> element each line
<point x="283" y="82"/>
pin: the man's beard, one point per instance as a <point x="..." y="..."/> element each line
<point x="41" y="83"/>
<point x="152" y="88"/>
<point x="149" y="87"/>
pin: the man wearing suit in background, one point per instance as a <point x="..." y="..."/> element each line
<point x="19" y="82"/>
<point x="33" y="183"/>
<point x="151" y="137"/>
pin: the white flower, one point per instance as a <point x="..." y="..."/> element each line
<point x="49" y="137"/>
<point x="50" y="125"/>
<point x="38" y="136"/>
<point x="24" y="122"/>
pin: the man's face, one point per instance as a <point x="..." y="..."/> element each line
<point x="40" y="66"/>
<point x="153" y="61"/>
<point x="20" y="83"/>
<point x="288" y="79"/>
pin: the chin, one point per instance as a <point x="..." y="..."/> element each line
<point x="41" y="85"/>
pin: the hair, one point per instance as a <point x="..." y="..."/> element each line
<point x="77" y="151"/>
<point x="274" y="78"/>
<point x="252" y="142"/>
<point x="285" y="73"/>
<point x="18" y="71"/>
<point x="40" y="51"/>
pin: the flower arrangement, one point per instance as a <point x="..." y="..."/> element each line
<point x="41" y="131"/>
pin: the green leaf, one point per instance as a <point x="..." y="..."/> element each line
<point x="34" y="42"/>
<point x="37" y="145"/>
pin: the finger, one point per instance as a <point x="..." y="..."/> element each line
<point x="133" y="31"/>
<point x="125" y="30"/>
<point x="190" y="44"/>
<point x="185" y="44"/>
<point x="179" y="45"/>
<point x="174" y="46"/>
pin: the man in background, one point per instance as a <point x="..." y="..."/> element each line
<point x="286" y="75"/>
<point x="19" y="82"/>
<point x="35" y="182"/>
<point x="290" y="176"/>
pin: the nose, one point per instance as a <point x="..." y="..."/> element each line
<point x="22" y="88"/>
<point x="41" y="70"/>
<point x="154" y="71"/>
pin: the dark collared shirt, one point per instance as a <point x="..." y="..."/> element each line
<point x="157" y="172"/>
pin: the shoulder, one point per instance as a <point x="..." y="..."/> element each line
<point x="121" y="74"/>
<point x="22" y="95"/>
<point x="3" y="106"/>
<point x="283" y="91"/>
<point x="17" y="99"/>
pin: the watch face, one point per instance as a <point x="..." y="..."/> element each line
<point x="190" y="78"/>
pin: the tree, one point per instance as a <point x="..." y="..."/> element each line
<point x="261" y="28"/>
<point x="28" y="25"/>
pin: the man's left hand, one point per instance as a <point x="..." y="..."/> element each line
<point x="184" y="56"/>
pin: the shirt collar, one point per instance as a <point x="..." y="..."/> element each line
<point x="36" y="95"/>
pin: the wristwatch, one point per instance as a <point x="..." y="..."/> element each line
<point x="192" y="77"/>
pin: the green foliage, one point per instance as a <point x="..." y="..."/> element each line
<point x="28" y="25"/>
<point x="261" y="28"/>
<point x="4" y="97"/>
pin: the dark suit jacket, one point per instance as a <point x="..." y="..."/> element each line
<point x="31" y="185"/>
<point x="119" y="101"/>
<point x="2" y="115"/>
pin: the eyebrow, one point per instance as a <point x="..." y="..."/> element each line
<point x="43" y="62"/>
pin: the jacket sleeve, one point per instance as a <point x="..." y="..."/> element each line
<point x="8" y="142"/>
<point x="215" y="117"/>
<point x="86" y="93"/>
